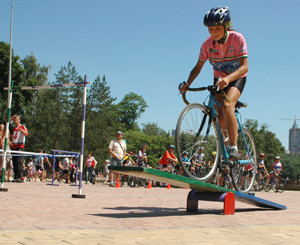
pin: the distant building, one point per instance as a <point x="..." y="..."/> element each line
<point x="294" y="139"/>
<point x="189" y="132"/>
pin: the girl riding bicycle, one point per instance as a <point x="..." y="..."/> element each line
<point x="226" y="50"/>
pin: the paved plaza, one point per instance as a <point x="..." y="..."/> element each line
<point x="37" y="213"/>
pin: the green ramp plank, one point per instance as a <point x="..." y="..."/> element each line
<point x="186" y="182"/>
<point x="164" y="177"/>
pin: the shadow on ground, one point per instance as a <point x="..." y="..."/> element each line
<point x="146" y="212"/>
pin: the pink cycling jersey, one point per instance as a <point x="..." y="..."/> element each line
<point x="277" y="165"/>
<point x="224" y="57"/>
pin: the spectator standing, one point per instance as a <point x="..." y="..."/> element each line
<point x="72" y="168"/>
<point x="117" y="150"/>
<point x="47" y="166"/>
<point x="8" y="156"/>
<point x="57" y="168"/>
<point x="89" y="167"/>
<point x="106" y="171"/>
<point x="31" y="170"/>
<point x="66" y="172"/>
<point x="39" y="165"/>
<point x="18" y="144"/>
<point x="201" y="156"/>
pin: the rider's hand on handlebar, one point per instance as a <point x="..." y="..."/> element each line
<point x="183" y="87"/>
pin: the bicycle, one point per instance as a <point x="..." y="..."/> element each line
<point x="274" y="185"/>
<point x="136" y="181"/>
<point x="259" y="184"/>
<point x="198" y="126"/>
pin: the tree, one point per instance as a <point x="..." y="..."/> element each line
<point x="101" y="120"/>
<point x="265" y="141"/>
<point x="34" y="75"/>
<point x="131" y="108"/>
<point x="291" y="166"/>
<point x="17" y="74"/>
<point x="153" y="129"/>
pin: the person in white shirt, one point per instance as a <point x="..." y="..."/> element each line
<point x="117" y="150"/>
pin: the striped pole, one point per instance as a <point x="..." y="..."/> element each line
<point x="79" y="195"/>
<point x="9" y="97"/>
<point x="70" y="152"/>
<point x="47" y="86"/>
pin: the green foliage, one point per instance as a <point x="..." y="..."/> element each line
<point x="153" y="129"/>
<point x="131" y="108"/>
<point x="265" y="141"/>
<point x="157" y="145"/>
<point x="291" y="166"/>
<point x="17" y="78"/>
<point x="101" y="120"/>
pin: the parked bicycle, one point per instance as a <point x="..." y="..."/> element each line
<point x="198" y="125"/>
<point x="135" y="182"/>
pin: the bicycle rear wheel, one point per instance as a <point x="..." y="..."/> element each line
<point x="194" y="129"/>
<point x="243" y="175"/>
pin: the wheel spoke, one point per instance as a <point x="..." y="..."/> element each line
<point x="189" y="138"/>
<point x="243" y="175"/>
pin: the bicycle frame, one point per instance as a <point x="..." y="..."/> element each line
<point x="211" y="106"/>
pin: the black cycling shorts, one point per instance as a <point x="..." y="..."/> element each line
<point x="238" y="83"/>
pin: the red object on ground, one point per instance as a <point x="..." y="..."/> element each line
<point x="118" y="184"/>
<point x="229" y="204"/>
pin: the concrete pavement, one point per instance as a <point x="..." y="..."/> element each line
<point x="36" y="213"/>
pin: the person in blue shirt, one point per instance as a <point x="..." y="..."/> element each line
<point x="185" y="159"/>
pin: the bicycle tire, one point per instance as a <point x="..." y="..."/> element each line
<point x="282" y="186"/>
<point x="274" y="185"/>
<point x="144" y="182"/>
<point x="243" y="180"/>
<point x="131" y="181"/>
<point x="189" y="137"/>
<point x="268" y="186"/>
<point x="260" y="186"/>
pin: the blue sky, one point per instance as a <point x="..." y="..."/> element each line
<point x="150" y="46"/>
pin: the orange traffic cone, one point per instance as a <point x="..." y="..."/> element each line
<point x="149" y="185"/>
<point x="118" y="184"/>
<point x="168" y="186"/>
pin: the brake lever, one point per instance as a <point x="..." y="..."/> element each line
<point x="180" y="86"/>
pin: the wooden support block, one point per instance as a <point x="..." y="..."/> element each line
<point x="227" y="198"/>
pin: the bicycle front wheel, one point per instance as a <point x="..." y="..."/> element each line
<point x="282" y="185"/>
<point x="243" y="172"/>
<point x="194" y="129"/>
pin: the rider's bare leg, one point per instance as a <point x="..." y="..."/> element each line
<point x="229" y="119"/>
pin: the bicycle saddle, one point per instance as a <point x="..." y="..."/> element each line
<point x="240" y="105"/>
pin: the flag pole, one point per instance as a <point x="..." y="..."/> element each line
<point x="9" y="97"/>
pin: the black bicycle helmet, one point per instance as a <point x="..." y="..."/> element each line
<point x="217" y="16"/>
